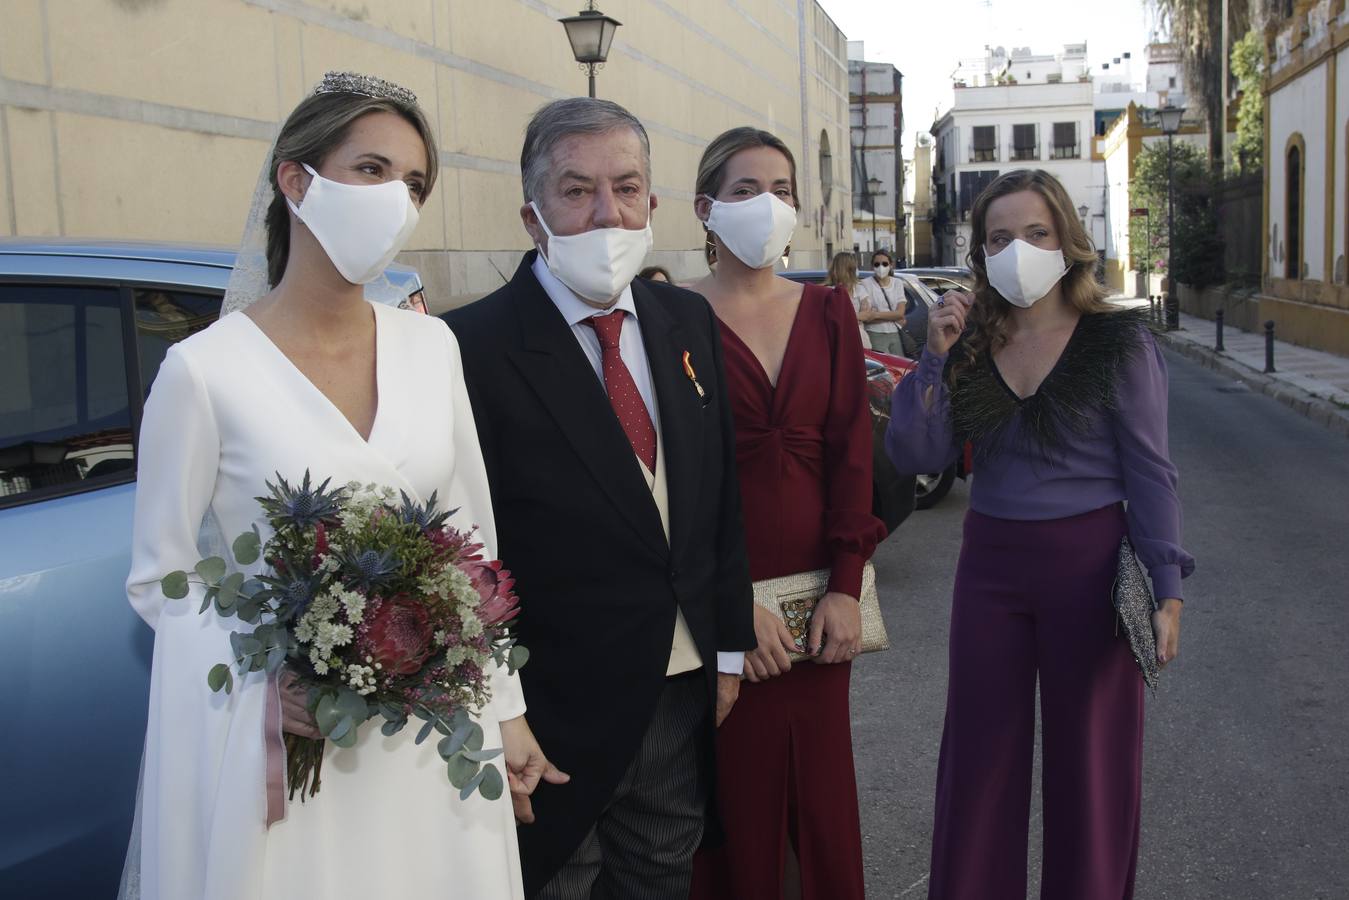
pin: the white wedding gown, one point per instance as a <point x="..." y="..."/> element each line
<point x="227" y="412"/>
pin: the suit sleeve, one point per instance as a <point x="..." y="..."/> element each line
<point x="735" y="601"/>
<point x="851" y="531"/>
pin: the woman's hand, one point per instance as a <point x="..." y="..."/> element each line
<point x="526" y="766"/>
<point x="296" y="718"/>
<point x="836" y="629"/>
<point x="770" y="658"/>
<point x="1166" y="626"/>
<point x="946" y="321"/>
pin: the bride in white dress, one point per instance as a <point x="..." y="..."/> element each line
<point x="310" y="376"/>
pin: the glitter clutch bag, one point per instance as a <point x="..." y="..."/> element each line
<point x="792" y="599"/>
<point x="1134" y="607"/>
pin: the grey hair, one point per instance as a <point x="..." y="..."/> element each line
<point x="561" y="118"/>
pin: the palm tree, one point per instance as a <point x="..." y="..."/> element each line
<point x="1196" y="25"/>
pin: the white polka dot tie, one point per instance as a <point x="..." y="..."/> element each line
<point x="623" y="394"/>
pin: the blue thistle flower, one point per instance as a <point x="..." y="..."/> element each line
<point x="304" y="506"/>
<point x="424" y="516"/>
<point x="368" y="568"/>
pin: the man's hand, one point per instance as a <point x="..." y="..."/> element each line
<point x="728" y="691"/>
<point x="1166" y="626"/>
<point x="526" y="766"/>
<point x="836" y="629"/>
<point x="770" y="658"/>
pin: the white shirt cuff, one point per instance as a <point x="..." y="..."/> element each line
<point x="731" y="662"/>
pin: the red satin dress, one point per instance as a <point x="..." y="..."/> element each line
<point x="785" y="766"/>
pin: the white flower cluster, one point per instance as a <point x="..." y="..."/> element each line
<point x="361" y="679"/>
<point x="362" y="501"/>
<point x="317" y="628"/>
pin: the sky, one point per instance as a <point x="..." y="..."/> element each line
<point x="926" y="40"/>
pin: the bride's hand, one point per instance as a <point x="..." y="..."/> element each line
<point x="296" y="718"/>
<point x="526" y="766"/>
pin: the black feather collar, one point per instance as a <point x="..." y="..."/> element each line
<point x="1081" y="384"/>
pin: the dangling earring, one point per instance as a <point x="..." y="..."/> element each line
<point x="786" y="256"/>
<point x="709" y="249"/>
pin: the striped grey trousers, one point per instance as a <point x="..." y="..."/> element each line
<point x="641" y="847"/>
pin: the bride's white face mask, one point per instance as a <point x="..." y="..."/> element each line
<point x="361" y="227"/>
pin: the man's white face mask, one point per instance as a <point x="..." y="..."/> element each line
<point x="1024" y="273"/>
<point x="596" y="264"/>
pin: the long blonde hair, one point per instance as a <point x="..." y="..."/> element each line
<point x="986" y="329"/>
<point x="843" y="272"/>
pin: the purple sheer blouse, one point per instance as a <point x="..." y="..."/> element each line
<point x="1122" y="456"/>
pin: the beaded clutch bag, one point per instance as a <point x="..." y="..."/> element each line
<point x="1134" y="607"/>
<point x="792" y="599"/>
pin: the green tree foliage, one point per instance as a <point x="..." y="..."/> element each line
<point x="1198" y="255"/>
<point x="1248" y="61"/>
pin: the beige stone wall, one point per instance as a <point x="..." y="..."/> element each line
<point x="150" y="118"/>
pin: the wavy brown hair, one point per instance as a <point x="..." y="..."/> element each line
<point x="986" y="328"/>
<point x="712" y="167"/>
<point x="317" y="127"/>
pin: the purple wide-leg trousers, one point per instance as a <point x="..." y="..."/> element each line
<point x="1032" y="599"/>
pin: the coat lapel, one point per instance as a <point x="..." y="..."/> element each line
<point x="681" y="409"/>
<point x="556" y="368"/>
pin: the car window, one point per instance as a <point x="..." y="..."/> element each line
<point x="164" y="317"/>
<point x="64" y="413"/>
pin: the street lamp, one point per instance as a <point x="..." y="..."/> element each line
<point x="1171" y="116"/>
<point x="590" y="32"/>
<point x="873" y="191"/>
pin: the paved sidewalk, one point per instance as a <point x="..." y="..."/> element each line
<point x="1312" y="382"/>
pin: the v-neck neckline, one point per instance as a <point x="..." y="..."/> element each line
<point x="786" y="350"/>
<point x="379" y="375"/>
<point x="1063" y="354"/>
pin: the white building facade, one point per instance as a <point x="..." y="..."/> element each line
<point x="876" y="120"/>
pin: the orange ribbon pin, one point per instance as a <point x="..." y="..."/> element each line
<point x="693" y="376"/>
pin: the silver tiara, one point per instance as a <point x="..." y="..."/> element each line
<point x="366" y="86"/>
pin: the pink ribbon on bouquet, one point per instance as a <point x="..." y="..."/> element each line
<point x="275" y="756"/>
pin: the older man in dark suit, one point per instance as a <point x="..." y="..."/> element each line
<point x="601" y="406"/>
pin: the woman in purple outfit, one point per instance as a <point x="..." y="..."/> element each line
<point x="1065" y="401"/>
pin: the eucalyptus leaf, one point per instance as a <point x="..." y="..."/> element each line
<point x="249" y="645"/>
<point x="343" y="727"/>
<point x="474" y="741"/>
<point x="212" y="569"/>
<point x="454" y="743"/>
<point x="519" y="656"/>
<point x="425" y="732"/>
<point x="353" y="704"/>
<point x="482" y="755"/>
<point x="174" y="585"/>
<point x="219" y="678"/>
<point x="348" y="739"/>
<point x="326" y="714"/>
<point x="472" y="785"/>
<point x="228" y="595"/>
<point x="443" y="725"/>
<point x="248" y="547"/>
<point x="276" y="657"/>
<point x="392" y="727"/>
<point x="492" y="785"/>
<point x="461" y="770"/>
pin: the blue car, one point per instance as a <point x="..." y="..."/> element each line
<point x="83" y="329"/>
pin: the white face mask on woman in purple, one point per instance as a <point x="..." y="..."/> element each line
<point x="1023" y="273"/>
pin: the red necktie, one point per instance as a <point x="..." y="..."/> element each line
<point x="623" y="394"/>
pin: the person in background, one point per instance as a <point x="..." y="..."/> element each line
<point x="882" y="306"/>
<point x="656" y="273"/>
<point x="1065" y="400"/>
<point x="843" y="274"/>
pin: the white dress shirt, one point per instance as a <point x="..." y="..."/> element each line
<point x="576" y="311"/>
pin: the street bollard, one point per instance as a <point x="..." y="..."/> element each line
<point x="1269" y="346"/>
<point x="1218" y="320"/>
<point x="1152" y="309"/>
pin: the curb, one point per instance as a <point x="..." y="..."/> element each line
<point x="1319" y="410"/>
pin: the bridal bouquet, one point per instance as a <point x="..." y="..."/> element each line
<point x="380" y="608"/>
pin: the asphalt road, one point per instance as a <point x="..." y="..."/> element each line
<point x="1246" y="780"/>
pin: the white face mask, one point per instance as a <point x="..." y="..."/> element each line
<point x="756" y="230"/>
<point x="596" y="264"/>
<point x="360" y="226"/>
<point x="882" y="270"/>
<point x="1023" y="273"/>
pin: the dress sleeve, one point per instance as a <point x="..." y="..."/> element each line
<point x="851" y="531"/>
<point x="1150" y="479"/>
<point x="177" y="458"/>
<point x="469" y="490"/>
<point x="919" y="438"/>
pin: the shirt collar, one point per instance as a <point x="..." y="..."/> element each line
<point x="573" y="308"/>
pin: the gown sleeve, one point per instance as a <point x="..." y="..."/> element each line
<point x="919" y="438"/>
<point x="177" y="457"/>
<point x="851" y="531"/>
<point x="1150" y="479"/>
<point x="469" y="490"/>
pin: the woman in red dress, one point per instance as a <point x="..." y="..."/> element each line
<point x="803" y="450"/>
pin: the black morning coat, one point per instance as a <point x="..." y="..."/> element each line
<point x="577" y="527"/>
